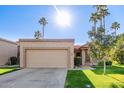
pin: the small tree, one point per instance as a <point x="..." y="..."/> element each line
<point x="107" y="43"/>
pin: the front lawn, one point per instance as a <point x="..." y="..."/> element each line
<point x="7" y="70"/>
<point x="95" y="78"/>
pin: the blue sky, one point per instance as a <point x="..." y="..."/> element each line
<point x="21" y="21"/>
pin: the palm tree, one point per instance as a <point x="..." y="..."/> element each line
<point x="91" y="33"/>
<point x="115" y="26"/>
<point x="37" y="34"/>
<point x="104" y="12"/>
<point x="99" y="17"/>
<point x="43" y="22"/>
<point x="94" y="18"/>
<point x="99" y="7"/>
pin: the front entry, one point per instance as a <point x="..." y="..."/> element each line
<point x="85" y="57"/>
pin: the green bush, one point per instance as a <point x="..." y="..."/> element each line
<point x="119" y="56"/>
<point x="77" y="61"/>
<point x="119" y="50"/>
<point x="108" y="63"/>
<point x="8" y="63"/>
<point x="101" y="63"/>
<point x="13" y="60"/>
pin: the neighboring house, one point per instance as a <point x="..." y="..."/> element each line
<point x="46" y="53"/>
<point x="82" y="51"/>
<point x="7" y="50"/>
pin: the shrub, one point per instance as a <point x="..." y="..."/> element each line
<point x="77" y="61"/>
<point x="119" y="56"/>
<point x="8" y="63"/>
<point x="101" y="63"/>
<point x="108" y="63"/>
<point x="119" y="50"/>
<point x="13" y="60"/>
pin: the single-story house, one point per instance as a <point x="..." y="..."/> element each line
<point x="7" y="50"/>
<point x="44" y="53"/>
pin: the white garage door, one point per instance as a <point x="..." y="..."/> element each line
<point x="47" y="58"/>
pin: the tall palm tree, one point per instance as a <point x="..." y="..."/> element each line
<point x="99" y="17"/>
<point x="94" y="18"/>
<point x="104" y="13"/>
<point x="43" y="22"/>
<point x="37" y="35"/>
<point x="115" y="26"/>
<point x="99" y="7"/>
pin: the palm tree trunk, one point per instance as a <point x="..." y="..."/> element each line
<point x="100" y="22"/>
<point x="43" y="31"/>
<point x="115" y="31"/>
<point x="104" y="24"/>
<point x="95" y="26"/>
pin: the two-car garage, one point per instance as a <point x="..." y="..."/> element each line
<point x="46" y="53"/>
<point x="47" y="58"/>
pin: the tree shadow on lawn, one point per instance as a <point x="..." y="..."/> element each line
<point x="77" y="79"/>
<point x="109" y="70"/>
<point x="115" y="79"/>
<point x="113" y="85"/>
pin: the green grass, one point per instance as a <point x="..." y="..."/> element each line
<point x="114" y="78"/>
<point x="7" y="70"/>
<point x="76" y="79"/>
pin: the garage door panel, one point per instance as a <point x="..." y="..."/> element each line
<point x="47" y="58"/>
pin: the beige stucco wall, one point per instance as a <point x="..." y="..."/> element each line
<point x="49" y="44"/>
<point x="7" y="50"/>
<point x="83" y="57"/>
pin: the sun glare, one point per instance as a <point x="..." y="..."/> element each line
<point x="63" y="18"/>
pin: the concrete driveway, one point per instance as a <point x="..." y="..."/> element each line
<point x="34" y="78"/>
